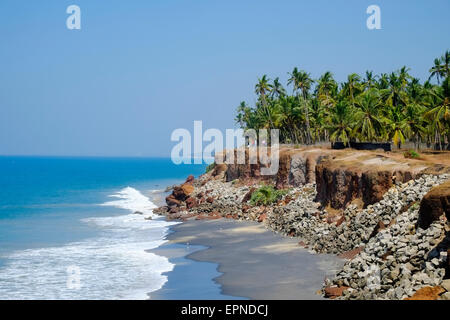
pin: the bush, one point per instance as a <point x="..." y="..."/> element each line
<point x="411" y="154"/>
<point x="210" y="167"/>
<point x="266" y="195"/>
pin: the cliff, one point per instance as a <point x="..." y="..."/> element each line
<point x="341" y="176"/>
<point x="387" y="215"/>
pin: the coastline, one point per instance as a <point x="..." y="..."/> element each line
<point x="262" y="265"/>
<point x="393" y="246"/>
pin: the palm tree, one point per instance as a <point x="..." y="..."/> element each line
<point x="341" y="123"/>
<point x="242" y="114"/>
<point x="445" y="60"/>
<point x="369" y="123"/>
<point x="415" y="122"/>
<point x="262" y="88"/>
<point x="370" y="80"/>
<point x="318" y="116"/>
<point x="440" y="115"/>
<point x="395" y="93"/>
<point x="302" y="81"/>
<point x="383" y="82"/>
<point x="352" y="87"/>
<point x="441" y="67"/>
<point x="398" y="128"/>
<point x="436" y="70"/>
<point x="326" y="89"/>
<point x="390" y="106"/>
<point x="277" y="88"/>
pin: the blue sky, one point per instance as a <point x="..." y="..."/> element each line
<point x="137" y="70"/>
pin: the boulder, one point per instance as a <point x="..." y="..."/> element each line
<point x="262" y="217"/>
<point x="351" y="254"/>
<point x="190" y="179"/>
<point x="334" y="291"/>
<point x="191" y="202"/>
<point x="172" y="201"/>
<point x="427" y="293"/>
<point x="435" y="204"/>
<point x="181" y="193"/>
<point x="219" y="170"/>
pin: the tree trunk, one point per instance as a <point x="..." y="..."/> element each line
<point x="308" y="134"/>
<point x="437" y="139"/>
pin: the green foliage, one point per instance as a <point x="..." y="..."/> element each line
<point x="411" y="154"/>
<point x="210" y="167"/>
<point x="266" y="195"/>
<point x="387" y="107"/>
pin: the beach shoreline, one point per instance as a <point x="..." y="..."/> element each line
<point x="262" y="264"/>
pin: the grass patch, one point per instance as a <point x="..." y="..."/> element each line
<point x="266" y="195"/>
<point x="411" y="154"/>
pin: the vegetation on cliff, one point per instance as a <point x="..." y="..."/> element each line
<point x="390" y="107"/>
<point x="266" y="195"/>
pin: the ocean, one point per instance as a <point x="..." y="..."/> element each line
<point x="68" y="227"/>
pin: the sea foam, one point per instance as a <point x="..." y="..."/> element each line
<point x="114" y="265"/>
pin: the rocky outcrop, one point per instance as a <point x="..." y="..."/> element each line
<point x="434" y="205"/>
<point x="427" y="293"/>
<point x="181" y="194"/>
<point x="340" y="184"/>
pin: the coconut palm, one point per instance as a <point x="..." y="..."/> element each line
<point x="440" y="115"/>
<point x="341" y="123"/>
<point x="369" y="122"/>
<point x="370" y="80"/>
<point x="436" y="70"/>
<point x="415" y="121"/>
<point x="302" y="81"/>
<point x="326" y="89"/>
<point x="352" y="87"/>
<point x="441" y="67"/>
<point x="277" y="88"/>
<point x="262" y="88"/>
<point x="392" y="106"/>
<point x="397" y="126"/>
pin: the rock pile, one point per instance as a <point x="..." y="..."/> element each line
<point x="391" y="256"/>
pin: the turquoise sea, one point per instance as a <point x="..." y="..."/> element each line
<point x="68" y="227"/>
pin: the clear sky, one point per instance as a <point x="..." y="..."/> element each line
<point x="139" y="69"/>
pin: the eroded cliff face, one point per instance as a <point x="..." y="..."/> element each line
<point x="435" y="205"/>
<point x="341" y="176"/>
<point x="339" y="184"/>
<point x="296" y="168"/>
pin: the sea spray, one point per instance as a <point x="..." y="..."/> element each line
<point x="114" y="265"/>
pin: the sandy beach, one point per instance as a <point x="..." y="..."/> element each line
<point x="244" y="259"/>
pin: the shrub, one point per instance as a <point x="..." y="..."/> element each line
<point x="266" y="195"/>
<point x="411" y="154"/>
<point x="210" y="167"/>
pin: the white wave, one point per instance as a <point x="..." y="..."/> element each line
<point x="108" y="269"/>
<point x="115" y="265"/>
<point x="131" y="199"/>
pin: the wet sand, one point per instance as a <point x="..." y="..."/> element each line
<point x="222" y="259"/>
